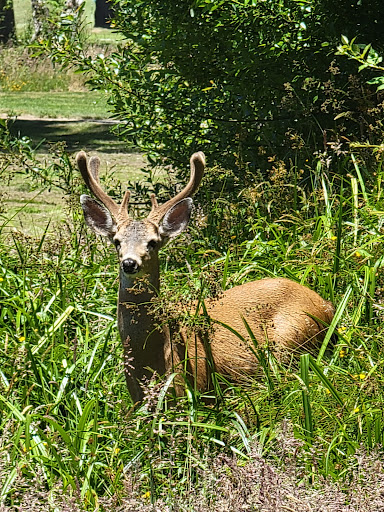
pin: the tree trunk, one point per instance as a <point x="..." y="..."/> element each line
<point x="40" y="15"/>
<point x="103" y="13"/>
<point x="72" y="5"/>
<point x="7" y="21"/>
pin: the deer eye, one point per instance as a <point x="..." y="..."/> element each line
<point x="152" y="244"/>
<point x="116" y="243"/>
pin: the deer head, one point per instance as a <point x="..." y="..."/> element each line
<point x="137" y="241"/>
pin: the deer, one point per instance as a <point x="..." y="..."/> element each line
<point x="287" y="315"/>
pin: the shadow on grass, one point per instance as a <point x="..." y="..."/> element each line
<point x="78" y="134"/>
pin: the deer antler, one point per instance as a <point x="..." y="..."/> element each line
<point x="90" y="173"/>
<point x="197" y="170"/>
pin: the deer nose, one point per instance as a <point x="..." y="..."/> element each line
<point x="130" y="266"/>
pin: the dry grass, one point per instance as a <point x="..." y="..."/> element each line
<point x="20" y="71"/>
<point x="226" y="485"/>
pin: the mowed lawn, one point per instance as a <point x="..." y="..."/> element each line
<point x="69" y="105"/>
<point x="53" y="108"/>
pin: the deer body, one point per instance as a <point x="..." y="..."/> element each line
<point x="279" y="311"/>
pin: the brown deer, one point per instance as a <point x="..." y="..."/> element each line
<point x="287" y="315"/>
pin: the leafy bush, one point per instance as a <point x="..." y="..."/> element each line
<point x="246" y="82"/>
<point x="366" y="56"/>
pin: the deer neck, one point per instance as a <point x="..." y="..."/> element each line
<point x="143" y="342"/>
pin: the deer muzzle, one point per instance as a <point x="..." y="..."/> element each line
<point x="130" y="266"/>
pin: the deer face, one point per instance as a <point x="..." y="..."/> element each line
<point x="137" y="242"/>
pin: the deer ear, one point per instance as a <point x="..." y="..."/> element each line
<point x="97" y="217"/>
<point x="176" y="219"/>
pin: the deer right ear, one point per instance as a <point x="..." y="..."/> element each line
<point x="176" y="219"/>
<point x="97" y="217"/>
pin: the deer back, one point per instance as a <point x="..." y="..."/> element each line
<point x="285" y="316"/>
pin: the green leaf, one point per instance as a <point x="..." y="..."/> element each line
<point x="344" y="40"/>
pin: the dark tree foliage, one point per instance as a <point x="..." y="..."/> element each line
<point x="247" y="81"/>
<point x="103" y="13"/>
<point x="7" y="21"/>
<point x="243" y="80"/>
<point x="360" y="19"/>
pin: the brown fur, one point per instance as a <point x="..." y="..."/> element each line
<point x="281" y="315"/>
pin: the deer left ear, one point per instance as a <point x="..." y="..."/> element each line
<point x="176" y="219"/>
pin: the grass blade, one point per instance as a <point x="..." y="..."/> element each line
<point x="53" y="328"/>
<point x="331" y="329"/>
<point x="326" y="382"/>
<point x="304" y="375"/>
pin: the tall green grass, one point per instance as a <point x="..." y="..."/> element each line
<point x="67" y="420"/>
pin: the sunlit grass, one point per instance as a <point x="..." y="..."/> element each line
<point x="65" y="409"/>
<point x="68" y="430"/>
<point x="74" y="105"/>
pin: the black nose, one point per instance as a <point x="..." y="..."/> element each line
<point x="130" y="266"/>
